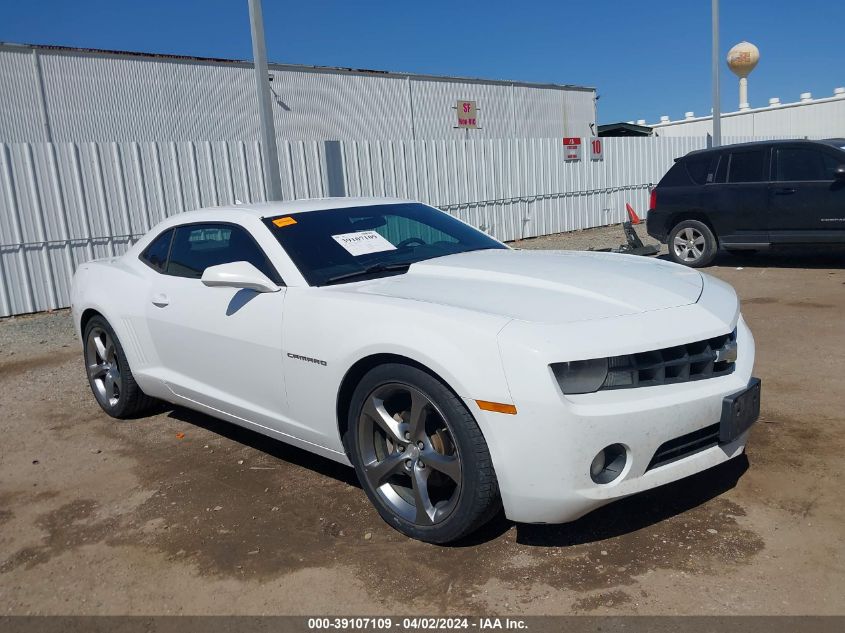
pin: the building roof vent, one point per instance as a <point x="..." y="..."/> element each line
<point x="774" y="102"/>
<point x="839" y="92"/>
<point x="806" y="96"/>
<point x="665" y="119"/>
<point x="689" y="115"/>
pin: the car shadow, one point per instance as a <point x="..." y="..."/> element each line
<point x="781" y="257"/>
<point x="639" y="511"/>
<point x="268" y="445"/>
<point x="616" y="519"/>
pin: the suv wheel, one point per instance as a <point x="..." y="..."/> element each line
<point x="420" y="455"/>
<point x="692" y="243"/>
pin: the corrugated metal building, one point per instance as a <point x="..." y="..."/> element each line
<point x="814" y="118"/>
<point x="63" y="94"/>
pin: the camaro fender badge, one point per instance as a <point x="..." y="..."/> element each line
<point x="308" y="359"/>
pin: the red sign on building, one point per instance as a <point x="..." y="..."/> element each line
<point x="571" y="148"/>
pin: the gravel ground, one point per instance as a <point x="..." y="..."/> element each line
<point x="588" y="239"/>
<point x="181" y="513"/>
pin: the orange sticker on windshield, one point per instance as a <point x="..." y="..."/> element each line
<point x="287" y="221"/>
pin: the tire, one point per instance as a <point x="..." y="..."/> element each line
<point x="427" y="470"/>
<point x="692" y="243"/>
<point x="109" y="374"/>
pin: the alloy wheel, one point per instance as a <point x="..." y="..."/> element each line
<point x="409" y="455"/>
<point x="103" y="367"/>
<point x="689" y="244"/>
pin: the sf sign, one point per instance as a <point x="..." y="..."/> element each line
<point x="573" y="149"/>
<point x="467" y="114"/>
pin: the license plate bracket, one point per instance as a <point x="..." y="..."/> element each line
<point x="739" y="411"/>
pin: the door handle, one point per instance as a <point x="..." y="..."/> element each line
<point x="161" y="300"/>
<point x="785" y="191"/>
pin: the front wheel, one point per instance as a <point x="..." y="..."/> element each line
<point x="692" y="243"/>
<point x="420" y="455"/>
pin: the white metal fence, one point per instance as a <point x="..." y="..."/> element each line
<point x="62" y="204"/>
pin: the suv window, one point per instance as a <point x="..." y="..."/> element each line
<point x="155" y="255"/>
<point x="722" y="169"/>
<point x="803" y="163"/>
<point x="198" y="246"/>
<point x="676" y="176"/>
<point x="747" y="166"/>
<point x="699" y="169"/>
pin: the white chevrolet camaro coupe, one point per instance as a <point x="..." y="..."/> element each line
<point x="456" y="375"/>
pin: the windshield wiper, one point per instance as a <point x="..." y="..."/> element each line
<point x="370" y="270"/>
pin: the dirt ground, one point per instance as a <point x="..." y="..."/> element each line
<point x="106" y="517"/>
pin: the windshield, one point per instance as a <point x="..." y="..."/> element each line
<point x="344" y="245"/>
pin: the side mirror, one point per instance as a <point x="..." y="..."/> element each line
<point x="238" y="275"/>
<point x="839" y="172"/>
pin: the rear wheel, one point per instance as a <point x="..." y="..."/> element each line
<point x="692" y="243"/>
<point x="420" y="455"/>
<point x="109" y="375"/>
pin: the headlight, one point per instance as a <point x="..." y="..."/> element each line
<point x="580" y="376"/>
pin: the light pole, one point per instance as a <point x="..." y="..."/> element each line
<point x="269" y="154"/>
<point x="717" y="110"/>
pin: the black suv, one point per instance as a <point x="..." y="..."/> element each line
<point x="750" y="196"/>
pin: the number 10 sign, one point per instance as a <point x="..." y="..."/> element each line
<point x="596" y="149"/>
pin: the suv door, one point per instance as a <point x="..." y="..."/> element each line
<point x="739" y="196"/>
<point x="806" y="203"/>
<point x="219" y="347"/>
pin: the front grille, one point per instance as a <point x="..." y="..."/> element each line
<point x="685" y="445"/>
<point x="683" y="363"/>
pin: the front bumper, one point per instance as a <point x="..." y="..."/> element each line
<point x="542" y="455"/>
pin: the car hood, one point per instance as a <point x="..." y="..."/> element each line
<point x="543" y="286"/>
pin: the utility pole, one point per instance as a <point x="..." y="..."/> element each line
<point x="269" y="154"/>
<point x="717" y="109"/>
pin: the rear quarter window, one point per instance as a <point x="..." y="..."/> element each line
<point x="699" y="169"/>
<point x="689" y="171"/>
<point x="676" y="177"/>
<point x="155" y="255"/>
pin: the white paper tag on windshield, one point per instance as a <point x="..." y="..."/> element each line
<point x="363" y="242"/>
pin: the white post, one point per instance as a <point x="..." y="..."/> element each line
<point x="717" y="112"/>
<point x="269" y="153"/>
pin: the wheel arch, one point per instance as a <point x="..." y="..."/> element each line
<point x="359" y="369"/>
<point x="86" y="316"/>
<point x="692" y="214"/>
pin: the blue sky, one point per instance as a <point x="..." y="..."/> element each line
<point x="646" y="58"/>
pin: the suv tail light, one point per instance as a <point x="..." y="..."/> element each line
<point x="652" y="200"/>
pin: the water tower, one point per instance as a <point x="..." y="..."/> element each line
<point x="742" y="59"/>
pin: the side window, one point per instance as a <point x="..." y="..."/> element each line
<point x="747" y="166"/>
<point x="801" y="163"/>
<point x="155" y="255"/>
<point x="198" y="246"/>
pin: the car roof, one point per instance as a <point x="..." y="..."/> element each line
<point x="835" y="142"/>
<point x="272" y="209"/>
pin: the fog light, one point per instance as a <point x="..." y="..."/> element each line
<point x="608" y="464"/>
<point x="598" y="465"/>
